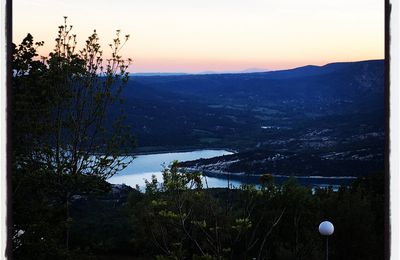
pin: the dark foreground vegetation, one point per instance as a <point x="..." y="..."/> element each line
<point x="181" y="220"/>
<point x="64" y="139"/>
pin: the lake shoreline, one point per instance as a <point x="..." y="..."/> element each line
<point x="180" y="150"/>
<point x="145" y="165"/>
<point x="245" y="175"/>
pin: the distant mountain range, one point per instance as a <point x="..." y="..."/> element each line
<point x="147" y="74"/>
<point x="320" y="116"/>
<point x="250" y="70"/>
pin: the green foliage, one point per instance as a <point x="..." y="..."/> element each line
<point x="228" y="223"/>
<point x="275" y="222"/>
<point x="175" y="179"/>
<point x="242" y="224"/>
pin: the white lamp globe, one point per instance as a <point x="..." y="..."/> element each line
<point x="326" y="228"/>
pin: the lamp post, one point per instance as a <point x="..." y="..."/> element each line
<point x="326" y="229"/>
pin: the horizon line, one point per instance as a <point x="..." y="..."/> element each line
<point x="242" y="71"/>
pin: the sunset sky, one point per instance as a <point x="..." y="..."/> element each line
<point x="215" y="35"/>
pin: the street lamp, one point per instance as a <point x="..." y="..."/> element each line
<point x="326" y="229"/>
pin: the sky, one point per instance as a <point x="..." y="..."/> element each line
<point x="215" y="35"/>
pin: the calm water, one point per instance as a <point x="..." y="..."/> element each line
<point x="144" y="166"/>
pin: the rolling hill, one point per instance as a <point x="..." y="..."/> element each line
<point x="318" y="116"/>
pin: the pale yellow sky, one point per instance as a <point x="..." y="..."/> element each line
<point x="218" y="35"/>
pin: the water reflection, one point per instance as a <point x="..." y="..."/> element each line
<point x="144" y="166"/>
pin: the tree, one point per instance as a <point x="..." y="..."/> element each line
<point x="65" y="124"/>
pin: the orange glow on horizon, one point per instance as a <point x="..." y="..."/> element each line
<point x="176" y="36"/>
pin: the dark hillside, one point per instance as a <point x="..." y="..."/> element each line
<point x="311" y="110"/>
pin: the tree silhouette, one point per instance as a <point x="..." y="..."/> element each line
<point x="67" y="137"/>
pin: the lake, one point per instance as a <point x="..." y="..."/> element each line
<point x="144" y="166"/>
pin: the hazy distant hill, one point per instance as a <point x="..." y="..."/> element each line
<point x="337" y="80"/>
<point x="146" y="74"/>
<point x="309" y="109"/>
<point x="249" y="70"/>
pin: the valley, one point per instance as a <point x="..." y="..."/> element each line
<point x="308" y="121"/>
